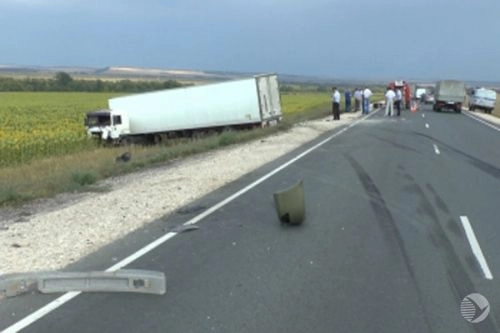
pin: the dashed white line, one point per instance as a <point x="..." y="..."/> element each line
<point x="46" y="309"/>
<point x="426" y="125"/>
<point x="436" y="149"/>
<point x="476" y="249"/>
<point x="423" y="115"/>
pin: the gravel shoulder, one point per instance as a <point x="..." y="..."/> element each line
<point x="52" y="233"/>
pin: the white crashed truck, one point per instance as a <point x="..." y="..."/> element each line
<point x="154" y="116"/>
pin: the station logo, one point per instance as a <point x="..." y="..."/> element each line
<point x="474" y="308"/>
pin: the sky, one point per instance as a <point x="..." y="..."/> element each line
<point x="359" y="39"/>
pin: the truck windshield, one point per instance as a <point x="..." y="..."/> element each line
<point x="98" y="120"/>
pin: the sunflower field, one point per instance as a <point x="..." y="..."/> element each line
<point x="39" y="125"/>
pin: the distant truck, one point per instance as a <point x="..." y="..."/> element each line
<point x="449" y="94"/>
<point x="157" y="115"/>
<point x="482" y="99"/>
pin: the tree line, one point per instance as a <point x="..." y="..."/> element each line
<point x="62" y="81"/>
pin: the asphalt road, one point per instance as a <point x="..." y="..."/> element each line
<point x="383" y="247"/>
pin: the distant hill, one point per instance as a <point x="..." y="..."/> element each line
<point x="121" y="72"/>
<point x="131" y="72"/>
<point x="189" y="75"/>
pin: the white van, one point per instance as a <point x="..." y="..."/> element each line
<point x="483" y="99"/>
<point x="419" y="92"/>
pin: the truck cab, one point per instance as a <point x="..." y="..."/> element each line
<point x="107" y="125"/>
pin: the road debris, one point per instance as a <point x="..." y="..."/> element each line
<point x="125" y="157"/>
<point x="191" y="210"/>
<point x="184" y="227"/>
<point x="290" y="204"/>
<point x="125" y="280"/>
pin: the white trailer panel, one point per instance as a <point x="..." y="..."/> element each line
<point x="269" y="97"/>
<point x="246" y="101"/>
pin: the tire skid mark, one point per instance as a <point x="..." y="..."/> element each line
<point x="387" y="224"/>
<point x="458" y="279"/>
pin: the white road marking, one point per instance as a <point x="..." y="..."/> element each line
<point x="476" y="249"/>
<point x="423" y="115"/>
<point x="46" y="309"/>
<point x="436" y="149"/>
<point x="484" y="122"/>
<point x="426" y="125"/>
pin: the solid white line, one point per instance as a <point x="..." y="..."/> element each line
<point x="436" y="149"/>
<point x="33" y="317"/>
<point x="484" y="122"/>
<point x="476" y="249"/>
<point x="426" y="125"/>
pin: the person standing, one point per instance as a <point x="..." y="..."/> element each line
<point x="347" y="96"/>
<point x="389" y="102"/>
<point x="358" y="97"/>
<point x="367" y="93"/>
<point x="399" y="101"/>
<point x="335" y="104"/>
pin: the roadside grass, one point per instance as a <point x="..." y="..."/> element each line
<point x="496" y="112"/>
<point x="81" y="172"/>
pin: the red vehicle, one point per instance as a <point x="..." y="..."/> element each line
<point x="405" y="89"/>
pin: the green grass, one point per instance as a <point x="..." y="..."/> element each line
<point x="84" y="178"/>
<point x="69" y="171"/>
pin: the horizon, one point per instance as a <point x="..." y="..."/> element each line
<point x="23" y="68"/>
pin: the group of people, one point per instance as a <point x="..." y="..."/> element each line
<point x="393" y="99"/>
<point x="361" y="101"/>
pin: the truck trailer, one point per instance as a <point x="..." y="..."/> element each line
<point x="450" y="94"/>
<point x="155" y="115"/>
